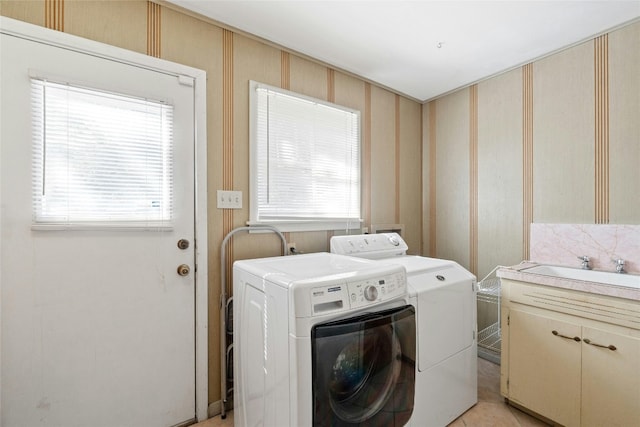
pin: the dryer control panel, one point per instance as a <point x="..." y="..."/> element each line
<point x="371" y="246"/>
<point x="358" y="293"/>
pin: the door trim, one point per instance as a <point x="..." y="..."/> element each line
<point x="43" y="35"/>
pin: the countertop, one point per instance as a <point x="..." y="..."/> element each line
<point x="515" y="273"/>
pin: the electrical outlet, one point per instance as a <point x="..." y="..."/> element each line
<point x="229" y="199"/>
<point x="291" y="247"/>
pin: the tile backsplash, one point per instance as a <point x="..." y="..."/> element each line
<point x="562" y="244"/>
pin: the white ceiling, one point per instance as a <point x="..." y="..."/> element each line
<point x="421" y="48"/>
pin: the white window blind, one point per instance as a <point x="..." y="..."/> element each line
<point x="100" y="158"/>
<point x="305" y="161"/>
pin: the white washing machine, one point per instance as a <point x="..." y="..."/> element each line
<point x="322" y="340"/>
<point x="444" y="296"/>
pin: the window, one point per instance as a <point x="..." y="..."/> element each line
<point x="305" y="162"/>
<point x="100" y="158"/>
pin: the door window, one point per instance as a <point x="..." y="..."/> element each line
<point x="100" y="158"/>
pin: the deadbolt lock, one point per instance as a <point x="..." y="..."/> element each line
<point x="183" y="269"/>
<point x="183" y="243"/>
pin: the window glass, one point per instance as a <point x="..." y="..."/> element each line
<point x="100" y="158"/>
<point x="305" y="161"/>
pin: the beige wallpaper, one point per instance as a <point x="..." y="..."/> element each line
<point x="563" y="137"/>
<point x="391" y="124"/>
<point x="429" y="179"/>
<point x="114" y="23"/>
<point x="624" y="125"/>
<point x="409" y="184"/>
<point x="558" y="140"/>
<point x="33" y="12"/>
<point x="452" y="177"/>
<point x="500" y="200"/>
<point x="383" y="156"/>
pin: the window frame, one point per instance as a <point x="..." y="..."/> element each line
<point x="288" y="225"/>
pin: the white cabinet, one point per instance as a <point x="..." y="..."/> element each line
<point x="610" y="379"/>
<point x="544" y="369"/>
<point x="575" y="370"/>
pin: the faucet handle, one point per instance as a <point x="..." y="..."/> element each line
<point x="619" y="265"/>
<point x="585" y="262"/>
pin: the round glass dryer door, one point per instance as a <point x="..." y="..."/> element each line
<point x="363" y="369"/>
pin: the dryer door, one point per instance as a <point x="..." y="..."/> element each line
<point x="363" y="369"/>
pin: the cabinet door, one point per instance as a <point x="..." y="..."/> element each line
<point x="544" y="366"/>
<point x="610" y="379"/>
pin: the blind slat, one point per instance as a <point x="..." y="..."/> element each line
<point x="100" y="157"/>
<point x="307" y="158"/>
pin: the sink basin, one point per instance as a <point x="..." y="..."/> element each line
<point x="596" y="276"/>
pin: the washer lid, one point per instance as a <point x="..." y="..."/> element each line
<point x="314" y="267"/>
<point x="418" y="264"/>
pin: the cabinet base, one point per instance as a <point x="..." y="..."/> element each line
<point x="530" y="412"/>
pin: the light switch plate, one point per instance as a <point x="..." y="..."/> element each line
<point x="228" y="199"/>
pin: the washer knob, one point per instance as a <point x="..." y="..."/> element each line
<point x="394" y="241"/>
<point x="371" y="293"/>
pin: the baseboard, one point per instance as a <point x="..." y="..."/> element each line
<point x="215" y="408"/>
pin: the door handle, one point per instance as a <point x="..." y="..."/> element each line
<point x="183" y="270"/>
<point x="610" y="346"/>
<point x="556" y="333"/>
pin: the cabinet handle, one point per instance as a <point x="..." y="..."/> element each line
<point x="576" y="339"/>
<point x="610" y="347"/>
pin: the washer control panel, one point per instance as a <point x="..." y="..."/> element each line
<point x="365" y="292"/>
<point x="358" y="293"/>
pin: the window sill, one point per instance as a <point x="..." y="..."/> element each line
<point x="298" y="226"/>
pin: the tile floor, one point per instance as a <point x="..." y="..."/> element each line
<point x="490" y="411"/>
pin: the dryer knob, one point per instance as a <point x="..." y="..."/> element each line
<point x="394" y="241"/>
<point x="371" y="293"/>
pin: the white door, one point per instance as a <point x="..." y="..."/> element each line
<point x="98" y="326"/>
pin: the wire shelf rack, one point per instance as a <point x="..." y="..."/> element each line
<point x="489" y="338"/>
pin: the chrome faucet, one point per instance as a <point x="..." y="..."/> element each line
<point x="619" y="265"/>
<point x="585" y="262"/>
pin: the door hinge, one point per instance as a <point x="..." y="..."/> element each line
<point x="508" y="319"/>
<point x="507" y="383"/>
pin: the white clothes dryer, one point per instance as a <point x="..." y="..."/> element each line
<point x="322" y="340"/>
<point x="444" y="296"/>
